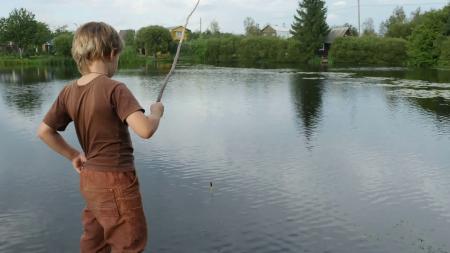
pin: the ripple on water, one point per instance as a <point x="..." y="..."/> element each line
<point x="20" y="231"/>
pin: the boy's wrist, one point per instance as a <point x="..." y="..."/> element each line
<point x="155" y="114"/>
<point x="74" y="154"/>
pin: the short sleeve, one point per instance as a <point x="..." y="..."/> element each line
<point x="57" y="116"/>
<point x="124" y="102"/>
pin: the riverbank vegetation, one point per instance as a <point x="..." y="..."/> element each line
<point x="421" y="40"/>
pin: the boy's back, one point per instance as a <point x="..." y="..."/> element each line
<point x="99" y="110"/>
<point x="102" y="110"/>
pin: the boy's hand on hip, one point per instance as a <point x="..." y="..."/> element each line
<point x="157" y="109"/>
<point x="78" y="162"/>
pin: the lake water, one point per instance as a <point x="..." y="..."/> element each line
<point x="338" y="160"/>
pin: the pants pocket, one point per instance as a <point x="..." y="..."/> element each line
<point x="129" y="199"/>
<point x="101" y="202"/>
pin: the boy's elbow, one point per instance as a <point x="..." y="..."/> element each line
<point x="43" y="131"/>
<point x="148" y="134"/>
<point x="40" y="133"/>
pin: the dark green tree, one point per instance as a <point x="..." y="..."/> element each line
<point x="130" y="38"/>
<point x="22" y="28"/>
<point x="153" y="39"/>
<point x="42" y="35"/>
<point x="310" y="27"/>
<point x="63" y="44"/>
<point x="427" y="37"/>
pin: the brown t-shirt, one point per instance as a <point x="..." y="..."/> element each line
<point x="98" y="110"/>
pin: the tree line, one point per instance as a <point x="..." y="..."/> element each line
<point x="423" y="39"/>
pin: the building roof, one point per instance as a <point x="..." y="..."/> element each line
<point x="280" y="31"/>
<point x="336" y="32"/>
<point x="277" y="28"/>
<point x="175" y="27"/>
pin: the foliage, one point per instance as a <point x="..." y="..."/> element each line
<point x="22" y="28"/>
<point x="63" y="44"/>
<point x="248" y="50"/>
<point x="369" y="50"/>
<point x="251" y="27"/>
<point x="130" y="38"/>
<point x="310" y="27"/>
<point x="368" y="27"/>
<point x="398" y="25"/>
<point x="129" y="57"/>
<point x="353" y="30"/>
<point x="426" y="38"/>
<point x="153" y="39"/>
<point x="444" y="59"/>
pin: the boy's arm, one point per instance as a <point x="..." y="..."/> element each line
<point x="56" y="142"/>
<point x="146" y="126"/>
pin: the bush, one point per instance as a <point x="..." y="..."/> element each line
<point x="369" y="50"/>
<point x="130" y="58"/>
<point x="233" y="49"/>
<point x="63" y="44"/>
<point x="444" y="59"/>
<point x="424" y="42"/>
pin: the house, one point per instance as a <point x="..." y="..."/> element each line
<point x="275" y="30"/>
<point x="8" y="47"/>
<point x="47" y="46"/>
<point x="336" y="32"/>
<point x="177" y="31"/>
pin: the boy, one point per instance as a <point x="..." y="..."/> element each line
<point x="102" y="109"/>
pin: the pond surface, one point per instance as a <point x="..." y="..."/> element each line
<point x="343" y="160"/>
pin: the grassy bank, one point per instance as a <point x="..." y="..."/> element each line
<point x="47" y="60"/>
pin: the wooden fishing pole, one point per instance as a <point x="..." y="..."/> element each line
<point x="177" y="55"/>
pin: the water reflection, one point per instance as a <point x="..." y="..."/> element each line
<point x="438" y="106"/>
<point x="307" y="94"/>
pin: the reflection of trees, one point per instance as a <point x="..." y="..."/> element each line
<point x="23" y="88"/>
<point x="437" y="105"/>
<point x="308" y="103"/>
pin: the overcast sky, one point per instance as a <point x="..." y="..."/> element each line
<point x="125" y="14"/>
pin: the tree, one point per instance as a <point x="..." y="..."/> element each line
<point x="60" y="30"/>
<point x="63" y="44"/>
<point x="22" y="29"/>
<point x="214" y="27"/>
<point x="42" y="35"/>
<point x="353" y="30"/>
<point x="368" y="27"/>
<point x="153" y="39"/>
<point x="427" y="38"/>
<point x="251" y="27"/>
<point x="130" y="38"/>
<point x="397" y="25"/>
<point x="310" y="27"/>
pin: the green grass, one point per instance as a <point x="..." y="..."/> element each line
<point x="47" y="60"/>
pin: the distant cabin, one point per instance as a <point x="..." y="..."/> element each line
<point x="8" y="47"/>
<point x="47" y="46"/>
<point x="275" y="30"/>
<point x="177" y="31"/>
<point x="336" y="32"/>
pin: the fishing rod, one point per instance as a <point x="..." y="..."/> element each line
<point x="177" y="55"/>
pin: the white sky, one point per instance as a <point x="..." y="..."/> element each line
<point x="134" y="14"/>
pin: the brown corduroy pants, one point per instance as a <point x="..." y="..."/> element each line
<point x="113" y="219"/>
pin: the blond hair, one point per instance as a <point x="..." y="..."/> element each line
<point x="94" y="41"/>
